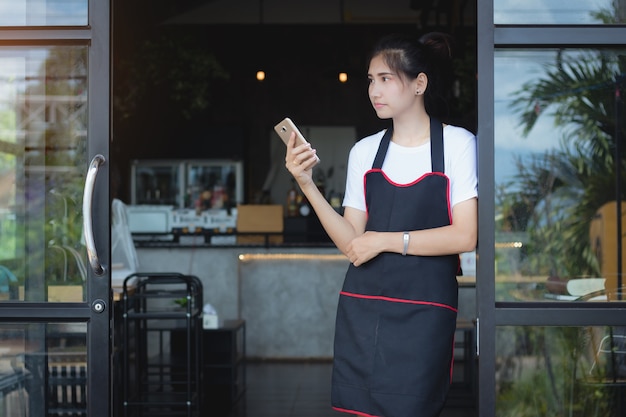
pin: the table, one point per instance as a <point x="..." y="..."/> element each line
<point x="224" y="352"/>
<point x="222" y="361"/>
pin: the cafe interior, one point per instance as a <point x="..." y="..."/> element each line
<point x="147" y="216"/>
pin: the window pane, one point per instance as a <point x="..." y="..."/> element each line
<point x="550" y="12"/>
<point x="43" y="366"/>
<point x="555" y="170"/>
<point x="560" y="371"/>
<point x="43" y="12"/>
<point x="43" y="119"/>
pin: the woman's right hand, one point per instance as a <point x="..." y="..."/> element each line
<point x="300" y="161"/>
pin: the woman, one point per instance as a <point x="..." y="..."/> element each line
<point x="410" y="209"/>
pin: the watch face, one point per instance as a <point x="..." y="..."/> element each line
<point x="305" y="210"/>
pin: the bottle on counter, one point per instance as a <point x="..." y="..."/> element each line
<point x="303" y="206"/>
<point x="335" y="200"/>
<point x="217" y="199"/>
<point x="292" y="201"/>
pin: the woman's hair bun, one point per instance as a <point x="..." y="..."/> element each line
<point x="442" y="44"/>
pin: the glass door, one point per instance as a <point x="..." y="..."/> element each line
<point x="552" y="244"/>
<point x="55" y="302"/>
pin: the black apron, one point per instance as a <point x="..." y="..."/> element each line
<point x="396" y="318"/>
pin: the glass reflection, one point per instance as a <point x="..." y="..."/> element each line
<point x="43" y="12"/>
<point x="550" y="12"/>
<point x="43" y="119"/>
<point x="43" y="369"/>
<point x="560" y="371"/>
<point x="556" y="115"/>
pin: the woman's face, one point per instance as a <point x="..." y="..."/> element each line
<point x="390" y="94"/>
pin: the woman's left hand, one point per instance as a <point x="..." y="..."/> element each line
<point x="363" y="248"/>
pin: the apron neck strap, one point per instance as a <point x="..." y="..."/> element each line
<point x="382" y="149"/>
<point x="436" y="146"/>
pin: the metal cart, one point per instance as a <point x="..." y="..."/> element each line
<point x="156" y="381"/>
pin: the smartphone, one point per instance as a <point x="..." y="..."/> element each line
<point x="284" y="129"/>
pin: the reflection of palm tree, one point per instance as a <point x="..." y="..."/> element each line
<point x="556" y="195"/>
<point x="561" y="190"/>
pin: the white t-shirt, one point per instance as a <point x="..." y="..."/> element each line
<point x="404" y="165"/>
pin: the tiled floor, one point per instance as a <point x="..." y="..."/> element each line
<point x="302" y="389"/>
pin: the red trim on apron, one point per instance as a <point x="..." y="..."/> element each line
<point x="397" y="300"/>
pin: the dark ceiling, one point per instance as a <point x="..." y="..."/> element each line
<point x="322" y="12"/>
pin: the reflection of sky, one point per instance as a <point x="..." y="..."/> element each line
<point x="15" y="65"/>
<point x="548" y="11"/>
<point x="43" y="12"/>
<point x="511" y="70"/>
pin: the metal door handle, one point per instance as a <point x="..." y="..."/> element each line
<point x="90" y="184"/>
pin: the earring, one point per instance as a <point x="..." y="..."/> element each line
<point x="418" y="92"/>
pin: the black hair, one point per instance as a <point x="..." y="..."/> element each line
<point x="431" y="54"/>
